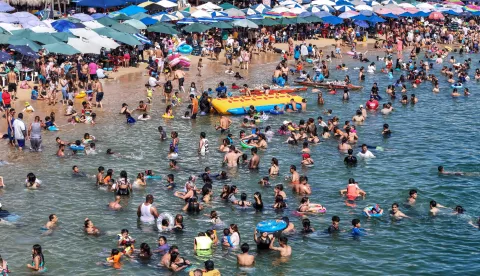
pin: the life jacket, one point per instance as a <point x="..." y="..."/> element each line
<point x="203" y="243"/>
<point x="352" y="192"/>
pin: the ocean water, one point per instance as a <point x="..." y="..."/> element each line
<point x="437" y="131"/>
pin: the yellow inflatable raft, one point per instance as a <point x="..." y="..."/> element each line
<point x="265" y="103"/>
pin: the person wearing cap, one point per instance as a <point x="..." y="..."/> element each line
<point x="306" y="159"/>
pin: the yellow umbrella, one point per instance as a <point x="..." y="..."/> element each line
<point x="144" y="4"/>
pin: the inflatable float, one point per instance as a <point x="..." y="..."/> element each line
<point x="276" y="112"/>
<point x="235" y="105"/>
<point x="457" y="86"/>
<point x="369" y="209"/>
<point x="167" y="117"/>
<point x="327" y="85"/>
<point x="168" y="217"/>
<point x="271" y="226"/>
<point x="245" y="145"/>
<point x="81" y="95"/>
<point x="53" y="128"/>
<point x="153" y="177"/>
<point x="185" y="49"/>
<point x="75" y="147"/>
<point x="288" y="89"/>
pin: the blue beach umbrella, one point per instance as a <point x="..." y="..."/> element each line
<point x="101" y="3"/>
<point x="148" y="21"/>
<point x="333" y="20"/>
<point x="361" y="23"/>
<point x="4" y="56"/>
<point x="344" y="8"/>
<point x="260" y="8"/>
<point x="375" y="19"/>
<point x="390" y="15"/>
<point x="322" y="14"/>
<point x="24" y="50"/>
<point x="131" y="10"/>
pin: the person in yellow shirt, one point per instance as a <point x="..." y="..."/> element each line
<point x="208" y="271"/>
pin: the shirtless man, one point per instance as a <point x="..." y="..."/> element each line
<point x="84" y="73"/>
<point x="364" y="111"/>
<point x="115" y="205"/>
<point x="245" y="259"/>
<point x="232" y="156"/>
<point x="344" y="146"/>
<point x="166" y="258"/>
<point x="358" y="117"/>
<point x="12" y="84"/>
<point x="255" y="160"/>
<point x="396" y="213"/>
<point x="98" y="88"/>
<point x="434" y="207"/>
<point x="225" y="123"/>
<point x="295" y="176"/>
<point x="284" y="249"/>
<point x="52" y="222"/>
<point x="180" y="75"/>
<point x="413" y="197"/>
<point x="158" y="52"/>
<point x="441" y="170"/>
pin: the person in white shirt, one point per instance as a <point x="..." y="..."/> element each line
<point x="101" y="73"/>
<point x="321" y="122"/>
<point x="20" y="131"/>
<point x="152" y="81"/>
<point x="365" y="153"/>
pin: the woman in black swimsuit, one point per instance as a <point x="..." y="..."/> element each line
<point x="124" y="187"/>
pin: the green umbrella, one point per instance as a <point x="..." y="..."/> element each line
<point x="124" y="28"/>
<point x="25" y="33"/>
<point x="140" y="16"/>
<point x="267" y="22"/>
<point x="125" y="38"/>
<point x="162" y="29"/>
<point x="44" y="38"/>
<point x="136" y="24"/>
<point x="3" y="31"/>
<point x="298" y="20"/>
<point x="107" y="21"/>
<point x="63" y="36"/>
<point x="221" y="25"/>
<point x="164" y="24"/>
<point x="73" y="19"/>
<point x="106" y="31"/>
<point x="196" y="28"/>
<point x="61" y="48"/>
<point x="227" y="6"/>
<point x="285" y="21"/>
<point x="313" y="19"/>
<point x="4" y="38"/>
<point x="24" y="41"/>
<point x="121" y="16"/>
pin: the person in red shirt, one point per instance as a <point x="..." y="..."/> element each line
<point x="372" y="104"/>
<point x="6" y="98"/>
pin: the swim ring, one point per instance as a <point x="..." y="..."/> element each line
<point x="75" y="147"/>
<point x="185" y="49"/>
<point x="153" y="177"/>
<point x="457" y="86"/>
<point x="372" y="215"/>
<point x="167" y="117"/>
<point x="168" y="217"/>
<point x="53" y="128"/>
<point x="81" y="95"/>
<point x="244" y="145"/>
<point x="276" y="112"/>
<point x="271" y="226"/>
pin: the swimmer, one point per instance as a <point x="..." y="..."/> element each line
<point x="365" y="153"/>
<point x="369" y="211"/>
<point x="245" y="259"/>
<point x="231" y="158"/>
<point x="396" y="213"/>
<point x="38" y="262"/>
<point x="434" y="207"/>
<point x="284" y="249"/>
<point x="441" y="170"/>
<point x="163" y="134"/>
<point x="306" y="159"/>
<point x="90" y="229"/>
<point x="144" y="117"/>
<point x="356" y="230"/>
<point x="352" y="192"/>
<point x="335" y="226"/>
<point x="52" y="222"/>
<point x="115" y="205"/>
<point x="477" y="225"/>
<point x="412" y="199"/>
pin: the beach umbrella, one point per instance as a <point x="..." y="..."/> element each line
<point x="4" y="38"/>
<point x="166" y="4"/>
<point x="196" y="28"/>
<point x="63" y="25"/>
<point x="322" y="14"/>
<point x="83" y="17"/>
<point x="98" y="15"/>
<point x="25" y="50"/>
<point x="363" y="8"/>
<point x="260" y="8"/>
<point x="279" y="9"/>
<point x="359" y="17"/>
<point x="314" y="9"/>
<point x="125" y="38"/>
<point x="33" y="23"/>
<point x="244" y="23"/>
<point x="267" y="22"/>
<point x="454" y="2"/>
<point x="131" y="10"/>
<point x="249" y="11"/>
<point x="44" y="38"/>
<point x="162" y="29"/>
<point x="86" y="33"/>
<point x="386" y="2"/>
<point x="84" y="45"/>
<point x="326" y="8"/>
<point x="372" y="3"/>
<point x="101" y="3"/>
<point x="140" y="16"/>
<point x="344" y="8"/>
<point x="472" y="7"/>
<point x="24" y="16"/>
<point x="94" y="24"/>
<point x="63" y="36"/>
<point x="21" y="41"/>
<point x="209" y="6"/>
<point x="43" y="29"/>
<point x="375" y="19"/>
<point x="358" y="3"/>
<point x="165" y="18"/>
<point x="61" y="48"/>
<point x="25" y="33"/>
<point x="343" y="3"/>
<point x="322" y="2"/>
<point x="106" y="21"/>
<point x="4" y="7"/>
<point x="148" y="21"/>
<point x="313" y="19"/>
<point x="180" y="14"/>
<point x="221" y="25"/>
<point x="143" y="39"/>
<point x="227" y="6"/>
<point x="120" y="17"/>
<point x="8" y="18"/>
<point x="137" y="24"/>
<point x="124" y="28"/>
<point x="218" y="14"/>
<point x="348" y="14"/>
<point x="144" y="4"/>
<point x="406" y="5"/>
<point x="234" y="13"/>
<point x="5" y="56"/>
<point x="390" y="15"/>
<point x="436" y="16"/>
<point x="361" y="23"/>
<point x="333" y="20"/>
<point x="10" y="27"/>
<point x="366" y="13"/>
<point x="105" y="31"/>
<point x="201" y="14"/>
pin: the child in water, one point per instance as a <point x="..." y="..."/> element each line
<point x="124" y="237"/>
<point x="356" y="230"/>
<point x="115" y="258"/>
<point x="226" y="237"/>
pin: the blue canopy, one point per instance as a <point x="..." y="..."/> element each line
<point x="422" y="13"/>
<point x="148" y="21"/>
<point x="359" y="17"/>
<point x="361" y="23"/>
<point x="390" y="15"/>
<point x="332" y="20"/>
<point x="131" y="10"/>
<point x="97" y="15"/>
<point x="406" y="14"/>
<point x="101" y="3"/>
<point x="65" y="25"/>
<point x="343" y="3"/>
<point x="375" y="19"/>
<point x="451" y="12"/>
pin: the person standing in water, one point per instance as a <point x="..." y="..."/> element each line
<point x="38" y="261"/>
<point x="245" y="259"/>
<point x="52" y="222"/>
<point x="146" y="211"/>
<point x="203" y="144"/>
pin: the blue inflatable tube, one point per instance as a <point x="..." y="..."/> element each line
<point x="75" y="147"/>
<point x="276" y="112"/>
<point x="259" y="108"/>
<point x="271" y="226"/>
<point x="457" y="86"/>
<point x="185" y="49"/>
<point x="153" y="177"/>
<point x="53" y="128"/>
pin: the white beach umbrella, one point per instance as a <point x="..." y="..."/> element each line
<point x="406" y="5"/>
<point x="86" y="33"/>
<point x="297" y="10"/>
<point x="245" y="23"/>
<point x="280" y="9"/>
<point x="208" y="7"/>
<point x="93" y="24"/>
<point x="201" y="14"/>
<point x="288" y="2"/>
<point x="363" y="8"/>
<point x="425" y="6"/>
<point x="323" y="2"/>
<point x="10" y="27"/>
<point x="166" y="4"/>
<point x="84" y="45"/>
<point x="43" y="29"/>
<point x="348" y="14"/>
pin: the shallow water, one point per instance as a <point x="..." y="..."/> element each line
<point x="437" y="131"/>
